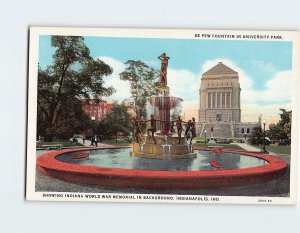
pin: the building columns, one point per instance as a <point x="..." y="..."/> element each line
<point x="212" y="100"/>
<point x="216" y="100"/>
<point x="207" y="99"/>
<point x="225" y="99"/>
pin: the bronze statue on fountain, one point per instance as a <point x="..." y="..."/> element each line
<point x="161" y="142"/>
<point x="163" y="80"/>
<point x="136" y="130"/>
<point x="163" y="70"/>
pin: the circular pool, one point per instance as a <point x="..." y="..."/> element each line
<point x="112" y="166"/>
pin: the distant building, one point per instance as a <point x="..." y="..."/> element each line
<point x="220" y="104"/>
<point x="96" y="108"/>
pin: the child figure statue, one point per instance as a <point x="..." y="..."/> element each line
<point x="152" y="128"/>
<point x="137" y="130"/>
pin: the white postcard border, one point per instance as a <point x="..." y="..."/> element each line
<point x="35" y="32"/>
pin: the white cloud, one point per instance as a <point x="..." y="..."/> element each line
<point x="279" y="88"/>
<point x="122" y="87"/>
<point x="183" y="84"/>
<point x="276" y="90"/>
<point x="263" y="66"/>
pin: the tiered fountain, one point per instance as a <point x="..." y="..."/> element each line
<point x="166" y="144"/>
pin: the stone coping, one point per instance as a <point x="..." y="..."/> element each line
<point x="149" y="179"/>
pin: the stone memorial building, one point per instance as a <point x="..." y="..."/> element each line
<point x="220" y="104"/>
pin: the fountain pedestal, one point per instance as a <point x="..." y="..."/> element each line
<point x="163" y="148"/>
<point x="164" y="90"/>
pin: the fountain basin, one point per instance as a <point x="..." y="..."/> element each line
<point x="48" y="164"/>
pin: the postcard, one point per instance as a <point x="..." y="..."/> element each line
<point x="163" y="115"/>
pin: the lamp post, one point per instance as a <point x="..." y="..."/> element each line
<point x="92" y="137"/>
<point x="264" y="144"/>
<point x="205" y="137"/>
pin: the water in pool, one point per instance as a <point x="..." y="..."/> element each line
<point x="120" y="158"/>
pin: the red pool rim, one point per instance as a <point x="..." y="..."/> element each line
<point x="150" y="179"/>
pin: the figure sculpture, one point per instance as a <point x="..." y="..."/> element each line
<point x="163" y="71"/>
<point x="137" y="130"/>
<point x="179" y="128"/>
<point x="188" y="133"/>
<point x="188" y="128"/>
<point x="193" y="129"/>
<point x="152" y="128"/>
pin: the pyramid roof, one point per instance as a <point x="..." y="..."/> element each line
<point x="220" y="68"/>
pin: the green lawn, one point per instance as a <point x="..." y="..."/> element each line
<point x="64" y="143"/>
<point x="279" y="149"/>
<point x="285" y="150"/>
<point x="199" y="139"/>
<point x="225" y="146"/>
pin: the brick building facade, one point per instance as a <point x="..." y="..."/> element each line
<point x="96" y="108"/>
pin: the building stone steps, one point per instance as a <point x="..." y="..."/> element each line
<point x="219" y="130"/>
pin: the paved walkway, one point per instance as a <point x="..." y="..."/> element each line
<point x="88" y="143"/>
<point x="250" y="148"/>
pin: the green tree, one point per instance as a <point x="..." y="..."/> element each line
<point x="73" y="74"/>
<point x="276" y="132"/>
<point x="144" y="83"/>
<point x="286" y="122"/>
<point x="72" y="121"/>
<point x="256" y="136"/>
<point x="281" y="132"/>
<point x="116" y="122"/>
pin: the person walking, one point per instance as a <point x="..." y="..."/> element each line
<point x="96" y="140"/>
<point x="92" y="141"/>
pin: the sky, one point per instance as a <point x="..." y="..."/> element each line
<point x="264" y="68"/>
